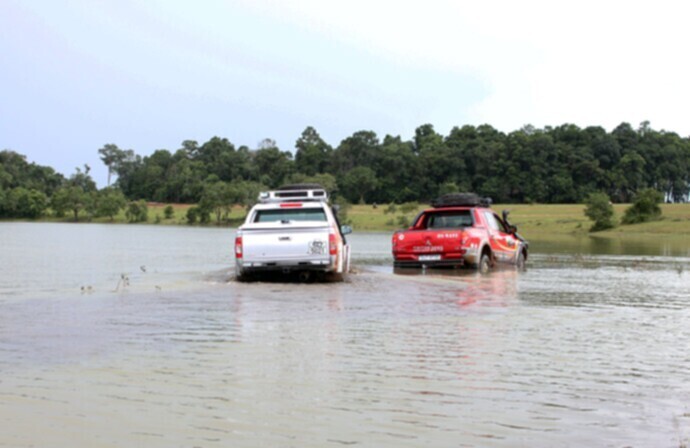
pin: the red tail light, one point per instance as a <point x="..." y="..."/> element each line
<point x="238" y="247"/>
<point x="332" y="244"/>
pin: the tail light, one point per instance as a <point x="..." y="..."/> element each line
<point x="238" y="247"/>
<point x="332" y="244"/>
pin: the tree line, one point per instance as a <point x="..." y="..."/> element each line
<point x="563" y="164"/>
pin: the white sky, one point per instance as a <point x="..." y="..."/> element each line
<point x="149" y="74"/>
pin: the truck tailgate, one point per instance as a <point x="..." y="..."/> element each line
<point x="422" y="242"/>
<point x="291" y="243"/>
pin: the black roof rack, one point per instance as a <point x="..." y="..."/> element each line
<point x="461" y="200"/>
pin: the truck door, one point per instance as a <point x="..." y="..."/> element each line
<point x="503" y="244"/>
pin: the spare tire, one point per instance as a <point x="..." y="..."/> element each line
<point x="457" y="199"/>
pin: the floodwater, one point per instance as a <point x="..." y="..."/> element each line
<point x="124" y="336"/>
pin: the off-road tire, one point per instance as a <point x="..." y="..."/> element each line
<point x="484" y="265"/>
<point x="521" y="261"/>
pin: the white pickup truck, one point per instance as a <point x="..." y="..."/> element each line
<point x="292" y="230"/>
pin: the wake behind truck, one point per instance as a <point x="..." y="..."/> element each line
<point x="459" y="230"/>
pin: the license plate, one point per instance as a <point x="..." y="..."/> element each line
<point x="429" y="257"/>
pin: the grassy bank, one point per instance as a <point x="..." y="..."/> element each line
<point x="156" y="215"/>
<point x="539" y="219"/>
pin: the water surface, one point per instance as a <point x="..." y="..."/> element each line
<point x="582" y="349"/>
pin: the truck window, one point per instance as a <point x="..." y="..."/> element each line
<point x="495" y="222"/>
<point x="290" y="214"/>
<point x="449" y="220"/>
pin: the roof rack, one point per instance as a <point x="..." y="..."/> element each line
<point x="461" y="200"/>
<point x="296" y="195"/>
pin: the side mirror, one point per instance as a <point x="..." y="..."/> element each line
<point x="513" y="229"/>
<point x="345" y="230"/>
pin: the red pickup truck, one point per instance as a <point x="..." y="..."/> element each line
<point x="460" y="230"/>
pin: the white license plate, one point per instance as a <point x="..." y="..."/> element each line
<point x="429" y="257"/>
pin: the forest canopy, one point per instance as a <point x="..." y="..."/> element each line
<point x="563" y="164"/>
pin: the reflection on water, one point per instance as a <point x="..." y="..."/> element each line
<point x="579" y="350"/>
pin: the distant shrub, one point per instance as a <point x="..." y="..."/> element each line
<point x="403" y="221"/>
<point x="169" y="212"/>
<point x="391" y="209"/>
<point x="645" y="207"/>
<point x="408" y="207"/>
<point x="137" y="211"/>
<point x="192" y="215"/>
<point x="600" y="210"/>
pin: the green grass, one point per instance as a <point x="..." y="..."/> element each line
<point x="540" y="219"/>
<point x="156" y="215"/>
<point x="532" y="220"/>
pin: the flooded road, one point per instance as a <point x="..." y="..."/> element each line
<point x="579" y="350"/>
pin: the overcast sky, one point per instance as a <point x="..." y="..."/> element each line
<point x="148" y="74"/>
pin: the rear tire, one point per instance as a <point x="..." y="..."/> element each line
<point x="484" y="265"/>
<point x="334" y="277"/>
<point x="521" y="261"/>
<point x="241" y="276"/>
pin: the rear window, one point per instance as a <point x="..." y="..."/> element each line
<point x="449" y="220"/>
<point x="290" y="214"/>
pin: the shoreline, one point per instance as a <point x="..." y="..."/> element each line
<point x="531" y="219"/>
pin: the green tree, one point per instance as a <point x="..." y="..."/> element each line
<point x="137" y="211"/>
<point x="327" y="181"/>
<point x="398" y="172"/>
<point x="600" y="210"/>
<point x="313" y="154"/>
<point x="15" y="172"/>
<point x="645" y="207"/>
<point x="273" y="166"/>
<point x="112" y="157"/>
<point x="192" y="215"/>
<point x="4" y="207"/>
<point x="109" y="202"/>
<point x="168" y="212"/>
<point x="357" y="150"/>
<point x="448" y="187"/>
<point x="83" y="180"/>
<point x="72" y="199"/>
<point x="24" y="203"/>
<point x="219" y="197"/>
<point x="248" y="192"/>
<point x="358" y="183"/>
